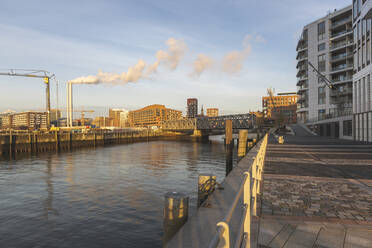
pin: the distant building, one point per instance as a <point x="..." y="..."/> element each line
<point x="192" y="107"/>
<point x="152" y="115"/>
<point x="212" y="112"/>
<point x="102" y="121"/>
<point x="114" y="114"/>
<point x="55" y="114"/>
<point x="25" y="120"/>
<point x="282" y="107"/>
<point x="124" y="119"/>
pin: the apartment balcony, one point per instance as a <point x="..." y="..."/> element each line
<point x="303" y="98"/>
<point x="337" y="93"/>
<point x="302" y="48"/>
<point x="341" y="34"/>
<point x="341" y="57"/>
<point x="302" y="71"/>
<point x="342" y="79"/>
<point x="341" y="22"/>
<point x="302" y="80"/>
<point x="341" y="45"/>
<point x="302" y="109"/>
<point x="341" y="68"/>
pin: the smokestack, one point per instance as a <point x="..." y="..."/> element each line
<point x="70" y="104"/>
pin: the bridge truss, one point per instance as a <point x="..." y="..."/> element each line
<point x="240" y="121"/>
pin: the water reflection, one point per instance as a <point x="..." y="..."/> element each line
<point x="104" y="197"/>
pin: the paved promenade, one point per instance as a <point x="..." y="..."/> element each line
<point x="317" y="193"/>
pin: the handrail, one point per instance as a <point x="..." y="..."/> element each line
<point x="250" y="187"/>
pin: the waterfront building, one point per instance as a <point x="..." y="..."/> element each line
<point x="114" y="114"/>
<point x="282" y="107"/>
<point x="152" y="115"/>
<point x="326" y="43"/>
<point x="212" y="112"/>
<point x="124" y="118"/>
<point x="362" y="104"/>
<point x="25" y="120"/>
<point x="192" y="107"/>
<point x="102" y="121"/>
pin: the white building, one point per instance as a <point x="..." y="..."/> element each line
<point x="362" y="14"/>
<point x="327" y="44"/>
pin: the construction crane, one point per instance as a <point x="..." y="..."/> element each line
<point x="83" y="114"/>
<point x="47" y="76"/>
<point x="82" y="111"/>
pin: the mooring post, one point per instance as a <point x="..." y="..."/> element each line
<point x="176" y="212"/>
<point x="229" y="145"/>
<point x="242" y="148"/>
<point x="10" y="143"/>
<point x="206" y="186"/>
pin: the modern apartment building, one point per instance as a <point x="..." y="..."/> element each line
<point x="152" y="115"/>
<point x="283" y="107"/>
<point x="362" y="103"/>
<point x="327" y="44"/>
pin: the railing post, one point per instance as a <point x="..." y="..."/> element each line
<point x="254" y="190"/>
<point x="247" y="205"/>
<point x="225" y="235"/>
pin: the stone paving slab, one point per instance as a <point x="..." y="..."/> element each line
<point x="316" y="197"/>
<point x="302" y="233"/>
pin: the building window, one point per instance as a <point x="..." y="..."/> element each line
<point x="321" y="31"/>
<point x="321" y="95"/>
<point x="321" y="47"/>
<point x="355" y="9"/>
<point x="321" y="62"/>
<point x="347" y="128"/>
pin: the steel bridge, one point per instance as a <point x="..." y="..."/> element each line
<point x="240" y="121"/>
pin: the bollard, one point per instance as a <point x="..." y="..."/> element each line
<point x="206" y="186"/>
<point x="229" y="145"/>
<point x="242" y="147"/>
<point x="176" y="211"/>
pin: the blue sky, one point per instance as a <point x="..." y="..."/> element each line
<point x="78" y="38"/>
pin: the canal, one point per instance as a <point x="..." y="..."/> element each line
<point x="104" y="197"/>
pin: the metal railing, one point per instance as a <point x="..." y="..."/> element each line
<point x="250" y="188"/>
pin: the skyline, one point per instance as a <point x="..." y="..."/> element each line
<point x="75" y="39"/>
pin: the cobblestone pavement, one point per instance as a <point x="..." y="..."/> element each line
<point x="318" y="177"/>
<point x="310" y="196"/>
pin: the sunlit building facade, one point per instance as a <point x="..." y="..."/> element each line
<point x="152" y="115"/>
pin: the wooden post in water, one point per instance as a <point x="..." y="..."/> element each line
<point x="10" y="143"/>
<point x="176" y="212"/>
<point x="206" y="186"/>
<point x="229" y="146"/>
<point x="242" y="147"/>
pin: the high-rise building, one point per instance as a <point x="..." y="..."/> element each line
<point x="327" y="44"/>
<point x="192" y="107"/>
<point x="212" y="112"/>
<point x="282" y="107"/>
<point x="362" y="90"/>
<point x="152" y="115"/>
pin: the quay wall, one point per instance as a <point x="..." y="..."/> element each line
<point x="18" y="143"/>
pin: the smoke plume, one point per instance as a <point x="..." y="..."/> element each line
<point x="170" y="57"/>
<point x="232" y="62"/>
<point x="202" y="63"/>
